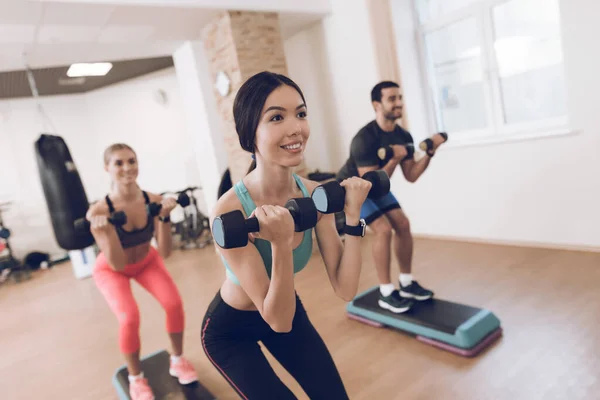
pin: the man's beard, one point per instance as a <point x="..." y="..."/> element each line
<point x="391" y="116"/>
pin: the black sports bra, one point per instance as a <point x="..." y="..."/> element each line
<point x="137" y="236"/>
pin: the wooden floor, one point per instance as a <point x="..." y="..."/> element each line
<point x="58" y="339"/>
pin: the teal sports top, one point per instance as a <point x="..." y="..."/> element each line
<point x="301" y="254"/>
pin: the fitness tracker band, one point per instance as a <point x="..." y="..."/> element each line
<point x="164" y="219"/>
<point x="358" y="230"/>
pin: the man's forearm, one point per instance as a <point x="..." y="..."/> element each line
<point x="419" y="167"/>
<point x="390" y="167"/>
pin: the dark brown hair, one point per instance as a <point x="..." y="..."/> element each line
<point x="249" y="102"/>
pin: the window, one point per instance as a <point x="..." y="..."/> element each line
<point x="494" y="67"/>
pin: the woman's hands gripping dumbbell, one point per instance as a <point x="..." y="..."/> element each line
<point x="430" y="145"/>
<point x="164" y="208"/>
<point x="275" y="224"/>
<point x="350" y="194"/>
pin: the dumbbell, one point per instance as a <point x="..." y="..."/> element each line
<point x="118" y="218"/>
<point x="385" y="153"/>
<point x="230" y="230"/>
<point x="428" y="144"/>
<point x="331" y="196"/>
<point x="154" y="208"/>
<point x="4" y="233"/>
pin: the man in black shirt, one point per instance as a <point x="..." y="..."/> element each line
<point x="383" y="144"/>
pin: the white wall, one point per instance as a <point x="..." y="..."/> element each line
<point x="20" y="127"/>
<point x="541" y="191"/>
<point x="202" y="118"/>
<point x="301" y="57"/>
<point x="127" y="112"/>
<point x="537" y="192"/>
<point x="333" y="62"/>
<point x="330" y="74"/>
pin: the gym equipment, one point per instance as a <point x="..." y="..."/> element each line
<point x="330" y="197"/>
<point x="231" y="229"/>
<point x="37" y="259"/>
<point x="64" y="192"/>
<point x="164" y="386"/>
<point x="319" y="176"/>
<point x="154" y="208"/>
<point x="458" y="328"/>
<point x="340" y="217"/>
<point x="10" y="266"/>
<point x="385" y="153"/>
<point x="428" y="144"/>
<point x="190" y="224"/>
<point x="118" y="218"/>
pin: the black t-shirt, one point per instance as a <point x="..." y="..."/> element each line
<point x="366" y="143"/>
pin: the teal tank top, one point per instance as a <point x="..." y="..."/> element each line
<point x="301" y="254"/>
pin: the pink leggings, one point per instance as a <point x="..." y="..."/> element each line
<point x="151" y="274"/>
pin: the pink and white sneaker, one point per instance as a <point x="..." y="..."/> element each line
<point x="183" y="370"/>
<point x="140" y="390"/>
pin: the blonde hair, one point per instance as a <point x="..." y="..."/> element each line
<point x="116" y="147"/>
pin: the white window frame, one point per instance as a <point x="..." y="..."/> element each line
<point x="497" y="131"/>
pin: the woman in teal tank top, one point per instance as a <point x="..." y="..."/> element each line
<point x="257" y="301"/>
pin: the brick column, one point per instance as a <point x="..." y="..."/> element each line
<point x="241" y="44"/>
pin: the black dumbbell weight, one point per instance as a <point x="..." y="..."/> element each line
<point x="154" y="208"/>
<point x="331" y="196"/>
<point x="385" y="153"/>
<point x="428" y="144"/>
<point x="4" y="233"/>
<point x="230" y="230"/>
<point x="118" y="218"/>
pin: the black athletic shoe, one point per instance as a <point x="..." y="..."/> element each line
<point x="415" y="291"/>
<point x="394" y="302"/>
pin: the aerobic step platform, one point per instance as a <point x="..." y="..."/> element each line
<point x="458" y="328"/>
<point x="164" y="386"/>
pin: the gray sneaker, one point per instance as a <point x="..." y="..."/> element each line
<point x="394" y="302"/>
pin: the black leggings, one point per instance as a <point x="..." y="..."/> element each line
<point x="230" y="340"/>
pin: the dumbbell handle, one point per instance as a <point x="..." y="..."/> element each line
<point x="429" y="143"/>
<point x="83" y="223"/>
<point x="154" y="208"/>
<point x="252" y="224"/>
<point x="388" y="152"/>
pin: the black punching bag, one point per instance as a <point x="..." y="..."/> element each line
<point x="64" y="191"/>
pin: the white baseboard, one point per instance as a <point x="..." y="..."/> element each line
<point x="515" y="243"/>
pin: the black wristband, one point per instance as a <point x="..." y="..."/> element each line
<point x="358" y="230"/>
<point x="164" y="219"/>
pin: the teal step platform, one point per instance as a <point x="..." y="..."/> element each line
<point x="164" y="386"/>
<point x="455" y="327"/>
